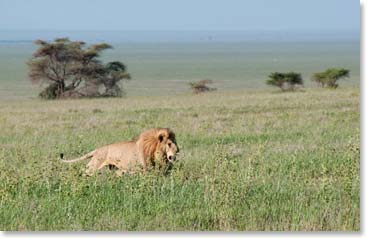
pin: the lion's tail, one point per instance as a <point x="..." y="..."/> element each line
<point x="87" y="156"/>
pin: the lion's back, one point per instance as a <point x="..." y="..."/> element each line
<point x="123" y="155"/>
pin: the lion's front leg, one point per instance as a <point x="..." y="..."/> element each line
<point x="142" y="159"/>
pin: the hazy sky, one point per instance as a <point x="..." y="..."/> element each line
<point x="179" y="14"/>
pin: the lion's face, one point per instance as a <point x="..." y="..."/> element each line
<point x="170" y="149"/>
<point x="168" y="144"/>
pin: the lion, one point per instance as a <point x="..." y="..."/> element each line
<point x="151" y="147"/>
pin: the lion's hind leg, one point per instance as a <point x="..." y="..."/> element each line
<point x="95" y="164"/>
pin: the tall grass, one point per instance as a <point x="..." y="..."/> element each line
<point x="251" y="160"/>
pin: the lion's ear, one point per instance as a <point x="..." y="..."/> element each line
<point x="160" y="138"/>
<point x="172" y="135"/>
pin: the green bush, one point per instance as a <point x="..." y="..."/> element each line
<point x="285" y="81"/>
<point x="330" y="76"/>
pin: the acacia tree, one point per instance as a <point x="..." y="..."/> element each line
<point x="70" y="69"/>
<point x="201" y="86"/>
<point x="330" y="76"/>
<point x="285" y="81"/>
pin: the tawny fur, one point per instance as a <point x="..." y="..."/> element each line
<point x="150" y="147"/>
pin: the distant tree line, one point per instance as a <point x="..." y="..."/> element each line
<point x="289" y="81"/>
<point x="71" y="69"/>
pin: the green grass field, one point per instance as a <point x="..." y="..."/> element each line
<point x="251" y="160"/>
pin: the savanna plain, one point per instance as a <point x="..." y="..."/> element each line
<point x="250" y="160"/>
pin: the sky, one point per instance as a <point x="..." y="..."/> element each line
<point x="153" y="15"/>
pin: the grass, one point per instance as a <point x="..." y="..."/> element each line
<point x="251" y="160"/>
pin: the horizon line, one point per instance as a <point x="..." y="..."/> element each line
<point x="187" y="30"/>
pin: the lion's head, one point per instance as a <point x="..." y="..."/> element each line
<point x="168" y="150"/>
<point x="165" y="134"/>
<point x="159" y="142"/>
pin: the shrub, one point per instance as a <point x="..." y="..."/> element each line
<point x="285" y="81"/>
<point x="201" y="86"/>
<point x="330" y="76"/>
